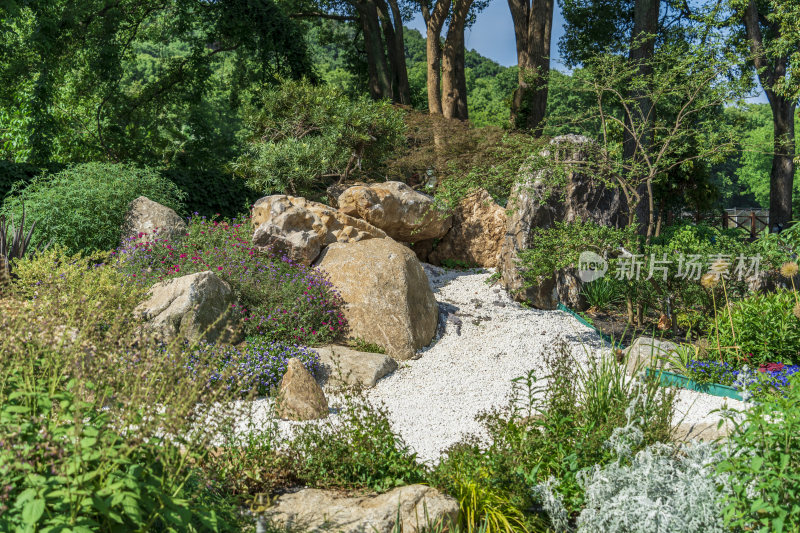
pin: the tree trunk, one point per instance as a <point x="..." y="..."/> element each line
<point x="454" y="78"/>
<point x="638" y="140"/>
<point x="532" y="29"/>
<point x="403" y="91"/>
<point x="434" y="21"/>
<point x="380" y="85"/>
<point x="781" y="179"/>
<point x="395" y="49"/>
<point x="769" y="72"/>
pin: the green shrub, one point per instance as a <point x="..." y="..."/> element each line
<point x="64" y="466"/>
<point x="359" y="451"/>
<point x="304" y="136"/>
<point x="83" y="207"/>
<point x="602" y="293"/>
<point x="761" y="328"/>
<point x="556" y="430"/>
<point x="77" y="286"/>
<point x="764" y="464"/>
<point x="280" y="300"/>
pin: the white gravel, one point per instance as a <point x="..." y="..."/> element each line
<point x="485" y="340"/>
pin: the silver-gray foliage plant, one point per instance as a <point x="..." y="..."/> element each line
<point x="661" y="489"/>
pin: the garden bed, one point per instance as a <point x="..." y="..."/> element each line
<point x="667" y="379"/>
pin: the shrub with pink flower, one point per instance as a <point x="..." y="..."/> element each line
<point x="278" y="299"/>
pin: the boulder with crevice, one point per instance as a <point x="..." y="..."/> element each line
<point x="543" y="197"/>
<point x="476" y="236"/>
<point x="301" y="229"/>
<point x="404" y="214"/>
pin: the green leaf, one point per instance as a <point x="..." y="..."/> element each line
<point x="33" y="511"/>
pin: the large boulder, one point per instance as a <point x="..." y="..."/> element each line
<point x="300" y="397"/>
<point x="418" y="507"/>
<point x="540" y="199"/>
<point x="197" y="306"/>
<point x="345" y="367"/>
<point x="404" y="214"/>
<point x="146" y="219"/>
<point x="475" y="238"/>
<point x="301" y="228"/>
<point x="388" y="300"/>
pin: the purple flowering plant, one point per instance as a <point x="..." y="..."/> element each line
<point x="279" y="300"/>
<point x="257" y="367"/>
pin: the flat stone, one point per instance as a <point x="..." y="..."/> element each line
<point x="646" y="352"/>
<point x="346" y="367"/>
<point x="315" y="510"/>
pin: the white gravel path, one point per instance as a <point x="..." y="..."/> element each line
<point x="485" y="340"/>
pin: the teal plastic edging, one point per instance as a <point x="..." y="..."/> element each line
<point x="670" y="379"/>
<point x="667" y="379"/>
<point x="579" y="318"/>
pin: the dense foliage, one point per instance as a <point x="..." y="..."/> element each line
<point x="763" y="465"/>
<point x="83" y="206"/>
<point x="303" y="137"/>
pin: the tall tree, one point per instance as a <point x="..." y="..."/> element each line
<point x="533" y="22"/>
<point x="434" y="15"/>
<point x="774" y="68"/>
<point x="392" y="23"/>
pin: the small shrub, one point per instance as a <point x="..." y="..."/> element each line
<point x="602" y="293"/>
<point x="257" y="368"/>
<point x="758" y="329"/>
<point x="77" y="287"/>
<point x="64" y="466"/>
<point x="304" y="135"/>
<point x="83" y="207"/>
<point x="359" y="451"/>
<point x="281" y="300"/>
<point x="763" y="466"/>
<point x="659" y="490"/>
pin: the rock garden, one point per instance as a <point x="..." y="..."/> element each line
<point x="315" y="366"/>
<point x="264" y="269"/>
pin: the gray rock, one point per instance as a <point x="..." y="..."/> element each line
<point x="539" y="200"/>
<point x="646" y="352"/>
<point x="197" y="306"/>
<point x="146" y="219"/>
<point x="314" y="510"/>
<point x="345" y="367"/>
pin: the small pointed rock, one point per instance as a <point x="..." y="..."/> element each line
<point x="300" y="397"/>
